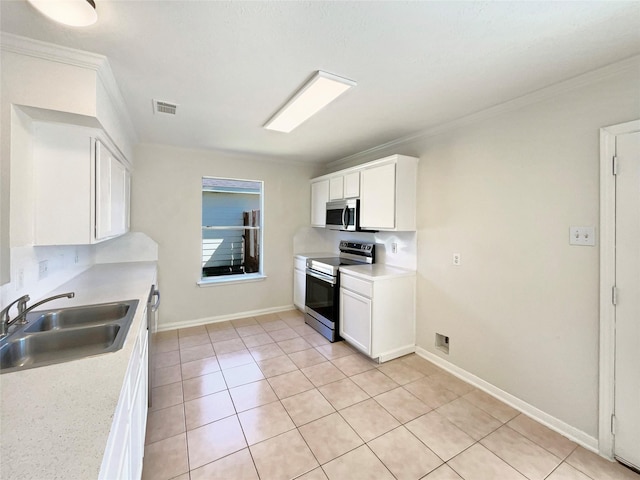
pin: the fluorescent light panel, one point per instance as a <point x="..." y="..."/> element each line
<point x="322" y="89"/>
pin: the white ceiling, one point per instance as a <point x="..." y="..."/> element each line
<point x="231" y="65"/>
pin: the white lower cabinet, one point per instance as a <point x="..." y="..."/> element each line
<point x="125" y="448"/>
<point x="357" y="310"/>
<point x="299" y="283"/>
<point x="377" y="315"/>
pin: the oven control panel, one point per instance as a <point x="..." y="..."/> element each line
<point x="358" y="248"/>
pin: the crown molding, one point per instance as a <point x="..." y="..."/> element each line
<point x="77" y="58"/>
<point x="49" y="51"/>
<point x="534" y="97"/>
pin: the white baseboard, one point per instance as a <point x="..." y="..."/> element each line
<point x="222" y="318"/>
<point x="572" y="433"/>
<point x="398" y="352"/>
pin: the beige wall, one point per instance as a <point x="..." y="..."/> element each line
<point x="166" y="205"/>
<point x="522" y="309"/>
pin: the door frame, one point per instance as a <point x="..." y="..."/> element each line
<point x="607" y="281"/>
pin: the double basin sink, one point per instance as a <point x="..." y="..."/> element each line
<point x="64" y="334"/>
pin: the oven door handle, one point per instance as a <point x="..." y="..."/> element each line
<point x="322" y="276"/>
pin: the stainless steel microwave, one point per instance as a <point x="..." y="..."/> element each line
<point x="343" y="215"/>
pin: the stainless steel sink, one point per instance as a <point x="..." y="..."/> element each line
<point x="64" y="334"/>
<point x="76" y="316"/>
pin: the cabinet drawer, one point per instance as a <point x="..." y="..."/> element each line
<point x="356" y="285"/>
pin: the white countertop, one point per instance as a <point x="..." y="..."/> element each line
<point x="376" y="271"/>
<point x="304" y="256"/>
<point x="56" y="419"/>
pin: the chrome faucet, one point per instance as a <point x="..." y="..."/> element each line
<point x="21" y="318"/>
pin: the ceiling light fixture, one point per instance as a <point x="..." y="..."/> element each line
<point x="317" y="93"/>
<point x="74" y="13"/>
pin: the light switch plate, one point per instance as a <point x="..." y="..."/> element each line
<point x="585" y="236"/>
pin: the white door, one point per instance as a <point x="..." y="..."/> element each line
<point x="627" y="315"/>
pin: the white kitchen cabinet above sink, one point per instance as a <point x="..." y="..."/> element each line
<point x="81" y="186"/>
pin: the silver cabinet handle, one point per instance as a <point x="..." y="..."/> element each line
<point x="323" y="277"/>
<point x="156" y="293"/>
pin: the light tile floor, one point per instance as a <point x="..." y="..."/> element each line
<point x="268" y="398"/>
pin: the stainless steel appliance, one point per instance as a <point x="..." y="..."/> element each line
<point x="343" y="215"/>
<point x="152" y="327"/>
<point x="323" y="286"/>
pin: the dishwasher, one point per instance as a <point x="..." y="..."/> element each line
<point x="152" y="327"/>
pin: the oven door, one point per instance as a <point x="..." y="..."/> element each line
<point x="321" y="303"/>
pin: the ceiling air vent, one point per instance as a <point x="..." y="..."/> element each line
<point x="164" y="107"/>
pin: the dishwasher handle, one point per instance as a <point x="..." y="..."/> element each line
<point x="155" y="293"/>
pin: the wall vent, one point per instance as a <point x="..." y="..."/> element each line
<point x="164" y="107"/>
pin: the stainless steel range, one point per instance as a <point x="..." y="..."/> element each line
<point x="323" y="286"/>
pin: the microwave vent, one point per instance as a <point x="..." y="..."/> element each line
<point x="164" y="107"/>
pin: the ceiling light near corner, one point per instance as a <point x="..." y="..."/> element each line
<point x="317" y="93"/>
<point x="75" y="13"/>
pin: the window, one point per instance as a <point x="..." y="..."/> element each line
<point x="231" y="229"/>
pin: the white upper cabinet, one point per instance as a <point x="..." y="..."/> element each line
<point x="344" y="186"/>
<point x="388" y="194"/>
<point x="112" y="194"/>
<point x="378" y="200"/>
<point x="319" y="199"/>
<point x="352" y="185"/>
<point x="386" y="188"/>
<point x="336" y="188"/>
<point x="81" y="188"/>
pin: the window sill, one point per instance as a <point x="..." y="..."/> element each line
<point x="227" y="280"/>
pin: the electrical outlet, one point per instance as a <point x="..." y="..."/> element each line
<point x="43" y="269"/>
<point x="457" y="260"/>
<point x="76" y="258"/>
<point x="394" y="247"/>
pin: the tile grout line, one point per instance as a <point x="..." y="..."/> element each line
<point x="377" y="367"/>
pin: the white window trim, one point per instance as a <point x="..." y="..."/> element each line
<point x="231" y="279"/>
<point x="241" y="277"/>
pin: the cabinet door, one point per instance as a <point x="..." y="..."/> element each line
<point x="118" y="198"/>
<point x="103" y="191"/>
<point x="299" y="287"/>
<point x="117" y="460"/>
<point x="62" y="187"/>
<point x="139" y="414"/>
<point x="378" y="197"/>
<point x="355" y="320"/>
<point x="127" y="200"/>
<point x="319" y="199"/>
<point x="352" y="185"/>
<point x="336" y="188"/>
<point x="112" y="194"/>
